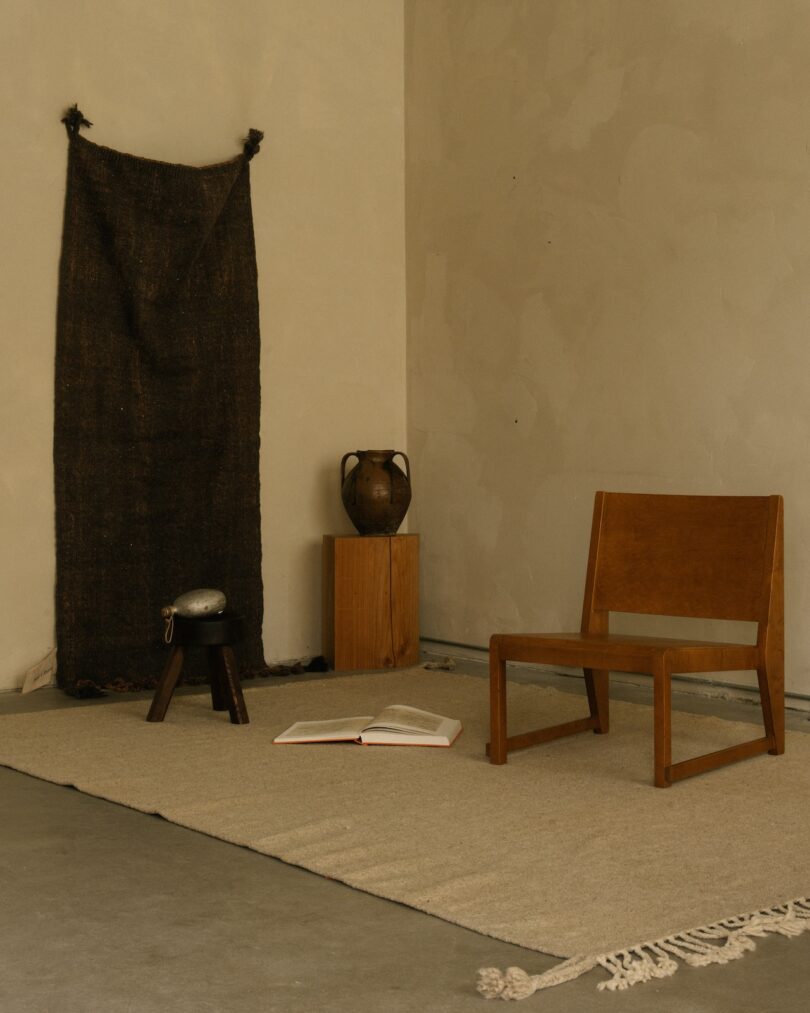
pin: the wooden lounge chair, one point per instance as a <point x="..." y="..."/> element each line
<point x="710" y="557"/>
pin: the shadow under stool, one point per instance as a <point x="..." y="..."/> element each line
<point x="216" y="634"/>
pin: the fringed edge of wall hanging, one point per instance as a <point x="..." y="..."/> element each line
<point x="718" y="943"/>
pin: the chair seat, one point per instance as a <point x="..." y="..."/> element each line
<point x="626" y="653"/>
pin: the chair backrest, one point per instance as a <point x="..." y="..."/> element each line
<point x="709" y="557"/>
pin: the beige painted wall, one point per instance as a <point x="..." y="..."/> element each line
<point x="183" y="80"/>
<point x="608" y="235"/>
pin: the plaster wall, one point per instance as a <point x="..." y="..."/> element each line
<point x="608" y="287"/>
<point x="183" y="81"/>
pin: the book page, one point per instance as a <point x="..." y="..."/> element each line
<point x="399" y="717"/>
<point x="334" y="730"/>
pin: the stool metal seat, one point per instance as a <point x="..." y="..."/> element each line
<point x="216" y="634"/>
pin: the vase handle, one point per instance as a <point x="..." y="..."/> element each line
<point x="403" y="455"/>
<point x="345" y="458"/>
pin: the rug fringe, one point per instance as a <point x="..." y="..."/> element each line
<point x="719" y="943"/>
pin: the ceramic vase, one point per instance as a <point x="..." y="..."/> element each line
<point x="376" y="493"/>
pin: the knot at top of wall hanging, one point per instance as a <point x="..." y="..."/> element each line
<point x="252" y="142"/>
<point x="74" y="119"/>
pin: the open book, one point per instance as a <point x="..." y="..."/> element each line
<point x="397" y="725"/>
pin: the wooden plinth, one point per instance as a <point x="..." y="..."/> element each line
<point x="370" y="601"/>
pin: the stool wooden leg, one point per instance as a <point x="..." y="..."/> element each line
<point x="233" y="690"/>
<point x="166" y="685"/>
<point x="219" y="693"/>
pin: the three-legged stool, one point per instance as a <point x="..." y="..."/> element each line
<point x="215" y="633"/>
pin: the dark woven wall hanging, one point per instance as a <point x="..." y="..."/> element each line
<point x="156" y="436"/>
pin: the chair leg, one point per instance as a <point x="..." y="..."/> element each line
<point x="166" y="685"/>
<point x="597" y="684"/>
<point x="497" y="705"/>
<point x="662" y="719"/>
<point x="772" y="697"/>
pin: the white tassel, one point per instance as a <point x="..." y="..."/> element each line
<point x="517" y="984"/>
<point x="719" y="943"/>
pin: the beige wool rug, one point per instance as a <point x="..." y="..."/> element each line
<point x="567" y="849"/>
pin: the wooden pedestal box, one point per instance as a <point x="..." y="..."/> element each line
<point x="371" y="601"/>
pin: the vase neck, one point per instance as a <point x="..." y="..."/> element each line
<point x="376" y="456"/>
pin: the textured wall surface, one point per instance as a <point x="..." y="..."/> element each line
<point x="609" y="286"/>
<point x="183" y="82"/>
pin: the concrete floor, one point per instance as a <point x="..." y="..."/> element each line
<point x="106" y="909"/>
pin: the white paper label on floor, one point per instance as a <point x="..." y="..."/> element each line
<point x="42" y="674"/>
